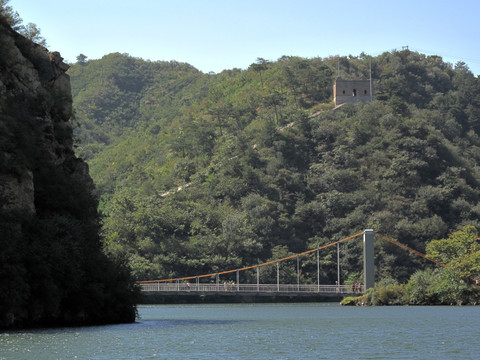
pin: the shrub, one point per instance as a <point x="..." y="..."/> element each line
<point x="349" y="301"/>
<point x="389" y="295"/>
<point x="419" y="289"/>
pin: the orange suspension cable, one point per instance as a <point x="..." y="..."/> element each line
<point x="415" y="252"/>
<point x="409" y="249"/>
<point x="252" y="266"/>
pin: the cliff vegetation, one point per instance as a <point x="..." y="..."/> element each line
<point x="52" y="268"/>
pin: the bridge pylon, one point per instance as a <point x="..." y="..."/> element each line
<point x="368" y="259"/>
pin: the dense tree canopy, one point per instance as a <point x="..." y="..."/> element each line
<point x="460" y="252"/>
<point x="203" y="172"/>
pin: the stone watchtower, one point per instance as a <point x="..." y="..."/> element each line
<point x="349" y="91"/>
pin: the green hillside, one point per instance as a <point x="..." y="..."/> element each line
<point x="198" y="173"/>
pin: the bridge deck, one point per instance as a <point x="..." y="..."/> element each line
<point x="242" y="289"/>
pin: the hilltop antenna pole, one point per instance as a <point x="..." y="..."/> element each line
<point x="338" y="68"/>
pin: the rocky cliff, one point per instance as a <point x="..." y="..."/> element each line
<point x="52" y="271"/>
<point x="34" y="90"/>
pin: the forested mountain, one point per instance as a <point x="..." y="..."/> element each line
<point x="198" y="173"/>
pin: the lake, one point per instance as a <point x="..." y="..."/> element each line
<point x="263" y="331"/>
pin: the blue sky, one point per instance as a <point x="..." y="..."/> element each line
<point x="213" y="35"/>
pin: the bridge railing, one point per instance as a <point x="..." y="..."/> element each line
<point x="249" y="288"/>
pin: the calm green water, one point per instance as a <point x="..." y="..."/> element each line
<point x="263" y="331"/>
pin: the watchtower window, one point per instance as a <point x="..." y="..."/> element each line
<point x="354" y="92"/>
<point x="365" y="92"/>
<point x="343" y="92"/>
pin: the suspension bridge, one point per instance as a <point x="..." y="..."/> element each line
<point x="216" y="285"/>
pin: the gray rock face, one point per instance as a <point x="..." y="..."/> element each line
<point x="35" y="87"/>
<point x="17" y="193"/>
<point x="52" y="270"/>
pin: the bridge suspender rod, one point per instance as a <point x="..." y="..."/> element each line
<point x="258" y="278"/>
<point x="318" y="269"/>
<point x="298" y="272"/>
<point x="278" y="275"/>
<point x="253" y="266"/>
<point x="338" y="263"/>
